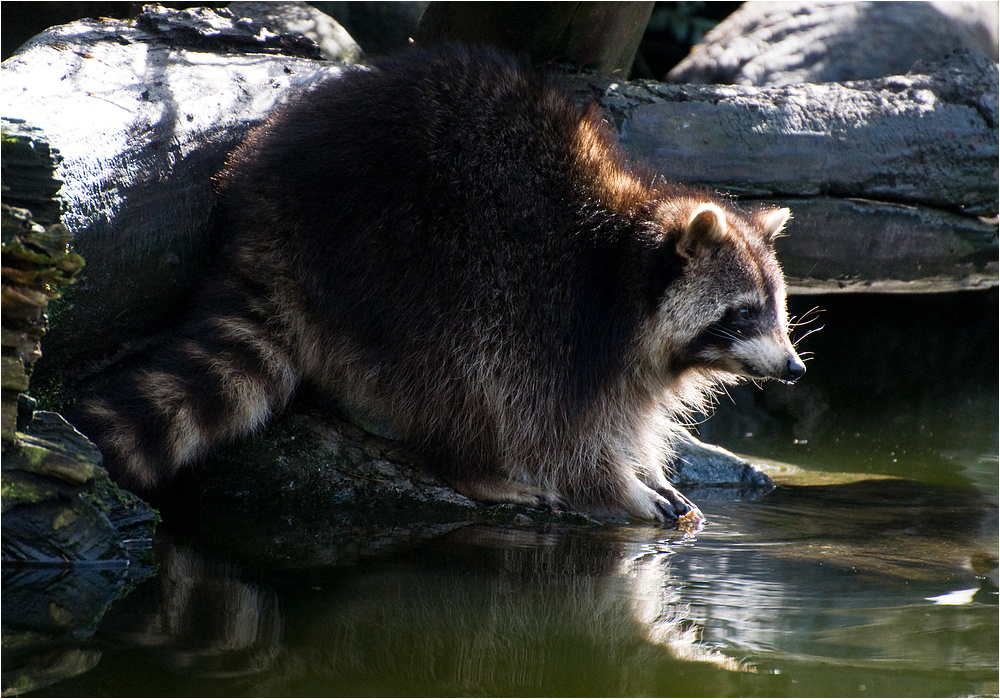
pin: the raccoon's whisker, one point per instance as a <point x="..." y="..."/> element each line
<point x="809" y="316"/>
<point x="692" y="422"/>
<point x="725" y="389"/>
<point x="807" y="334"/>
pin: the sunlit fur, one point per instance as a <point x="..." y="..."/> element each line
<point x="447" y="244"/>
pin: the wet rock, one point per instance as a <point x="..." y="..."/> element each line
<point x="37" y="263"/>
<point x="704" y="471"/>
<point x="70" y="541"/>
<point x="316" y="490"/>
<point x="59" y="508"/>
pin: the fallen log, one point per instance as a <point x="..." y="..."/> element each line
<point x="142" y="114"/>
<point x="893" y="182"/>
<point x="824" y="41"/>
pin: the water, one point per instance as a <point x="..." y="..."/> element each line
<point x="871" y="572"/>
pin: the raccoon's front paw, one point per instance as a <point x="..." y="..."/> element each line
<point x="677" y="508"/>
<point x="665" y="505"/>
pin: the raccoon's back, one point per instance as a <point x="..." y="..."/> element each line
<point x="433" y="193"/>
<point x="449" y="136"/>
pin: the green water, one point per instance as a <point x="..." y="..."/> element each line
<point x="833" y="585"/>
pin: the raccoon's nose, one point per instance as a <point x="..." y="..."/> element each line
<point x="794" y="369"/>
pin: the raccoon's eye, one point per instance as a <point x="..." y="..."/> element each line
<point x="740" y="318"/>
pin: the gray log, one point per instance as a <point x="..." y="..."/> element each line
<point x="143" y="114"/>
<point x="791" y="42"/>
<point x="893" y="182"/>
<point x="925" y="139"/>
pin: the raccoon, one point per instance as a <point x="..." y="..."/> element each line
<point x="446" y="242"/>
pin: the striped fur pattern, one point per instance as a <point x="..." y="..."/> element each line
<point x="446" y="242"/>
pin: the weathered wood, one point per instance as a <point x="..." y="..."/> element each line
<point x="602" y="36"/>
<point x="924" y="139"/>
<point x="819" y="41"/>
<point x="891" y="248"/>
<point x="893" y="182"/>
<point x="146" y="118"/>
<point x="142" y="115"/>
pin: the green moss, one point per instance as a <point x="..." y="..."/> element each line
<point x="16" y="489"/>
<point x="105" y="495"/>
<point x="65" y="518"/>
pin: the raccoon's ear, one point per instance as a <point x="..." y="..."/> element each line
<point x="772" y="222"/>
<point x="704" y="230"/>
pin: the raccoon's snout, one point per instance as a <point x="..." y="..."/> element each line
<point x="767" y="357"/>
<point x="794" y="369"/>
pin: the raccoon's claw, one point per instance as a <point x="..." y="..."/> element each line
<point x="676" y="508"/>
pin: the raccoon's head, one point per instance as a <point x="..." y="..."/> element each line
<point x="725" y="311"/>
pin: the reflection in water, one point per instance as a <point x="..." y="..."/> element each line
<point x="201" y="617"/>
<point x="813" y="590"/>
<point x="51" y="611"/>
<point x="498" y="610"/>
<point x="48" y="614"/>
<point x="515" y="609"/>
<point x="822" y="588"/>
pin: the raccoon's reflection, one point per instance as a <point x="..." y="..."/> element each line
<point x="199" y="616"/>
<point x="483" y="609"/>
<point x="503" y="610"/>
